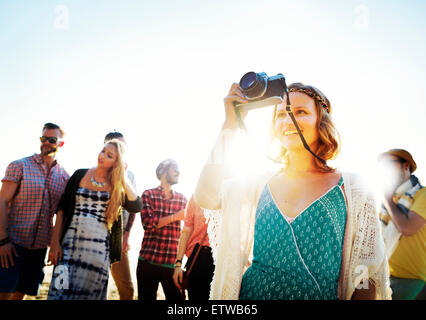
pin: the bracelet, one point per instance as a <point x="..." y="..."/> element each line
<point x="4" y="241"/>
<point x="180" y="263"/>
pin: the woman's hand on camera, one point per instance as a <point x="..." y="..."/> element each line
<point x="235" y="95"/>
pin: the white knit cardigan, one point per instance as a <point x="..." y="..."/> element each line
<point x="232" y="240"/>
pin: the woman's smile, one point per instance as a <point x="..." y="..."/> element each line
<point x="290" y="132"/>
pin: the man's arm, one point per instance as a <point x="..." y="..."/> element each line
<point x="7" y="192"/>
<point x="55" y="250"/>
<point x="180" y="215"/>
<point x="183" y="241"/>
<point x="132" y="216"/>
<point x="148" y="218"/>
<point x="408" y="224"/>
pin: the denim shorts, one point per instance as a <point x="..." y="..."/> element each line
<point x="26" y="275"/>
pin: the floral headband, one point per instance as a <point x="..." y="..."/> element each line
<point x="313" y="95"/>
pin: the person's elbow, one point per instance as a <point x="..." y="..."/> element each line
<point x="134" y="206"/>
<point x="138" y="206"/>
<point x="149" y="224"/>
<point x="412" y="225"/>
<point x="147" y="227"/>
<point x="409" y="230"/>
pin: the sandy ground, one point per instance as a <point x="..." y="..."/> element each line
<point x="112" y="289"/>
<point x="135" y="240"/>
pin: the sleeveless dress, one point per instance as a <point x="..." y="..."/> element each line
<point x="300" y="258"/>
<point x="83" y="272"/>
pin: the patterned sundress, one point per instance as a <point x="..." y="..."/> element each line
<point x="83" y="272"/>
<point x="300" y="258"/>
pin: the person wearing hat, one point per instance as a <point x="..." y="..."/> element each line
<point x="162" y="211"/>
<point x="403" y="217"/>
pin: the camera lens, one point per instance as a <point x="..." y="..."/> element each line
<point x="247" y="80"/>
<point x="253" y="85"/>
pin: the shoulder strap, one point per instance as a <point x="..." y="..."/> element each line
<point x="197" y="252"/>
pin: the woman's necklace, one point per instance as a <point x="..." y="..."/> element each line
<point x="96" y="183"/>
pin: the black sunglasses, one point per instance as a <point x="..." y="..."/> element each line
<point x="51" y="140"/>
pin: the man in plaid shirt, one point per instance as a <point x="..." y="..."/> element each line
<point x="29" y="196"/>
<point x="162" y="211"/>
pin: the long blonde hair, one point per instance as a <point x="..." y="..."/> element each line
<point x="329" y="139"/>
<point x="116" y="179"/>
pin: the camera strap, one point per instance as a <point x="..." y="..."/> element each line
<point x="305" y="144"/>
<point x="291" y="115"/>
<point x="289" y="110"/>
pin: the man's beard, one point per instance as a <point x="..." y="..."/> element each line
<point x="48" y="151"/>
<point x="170" y="181"/>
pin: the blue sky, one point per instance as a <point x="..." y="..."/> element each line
<point x="158" y="72"/>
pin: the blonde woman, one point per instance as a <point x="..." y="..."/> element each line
<point x="306" y="232"/>
<point x="87" y="236"/>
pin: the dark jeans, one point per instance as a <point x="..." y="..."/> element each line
<point x="149" y="276"/>
<point x="26" y="275"/>
<point x="201" y="276"/>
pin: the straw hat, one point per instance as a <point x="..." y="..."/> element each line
<point x="402" y="154"/>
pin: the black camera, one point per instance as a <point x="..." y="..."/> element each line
<point x="261" y="90"/>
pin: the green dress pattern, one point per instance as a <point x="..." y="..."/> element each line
<point x="298" y="260"/>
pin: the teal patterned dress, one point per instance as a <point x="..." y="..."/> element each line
<point x="298" y="260"/>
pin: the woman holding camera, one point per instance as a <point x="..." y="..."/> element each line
<point x="306" y="232"/>
<point x="87" y="236"/>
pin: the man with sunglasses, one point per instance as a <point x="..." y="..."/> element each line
<point x="403" y="216"/>
<point x="30" y="192"/>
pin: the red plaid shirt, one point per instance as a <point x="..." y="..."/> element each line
<point x="30" y="219"/>
<point x="159" y="245"/>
